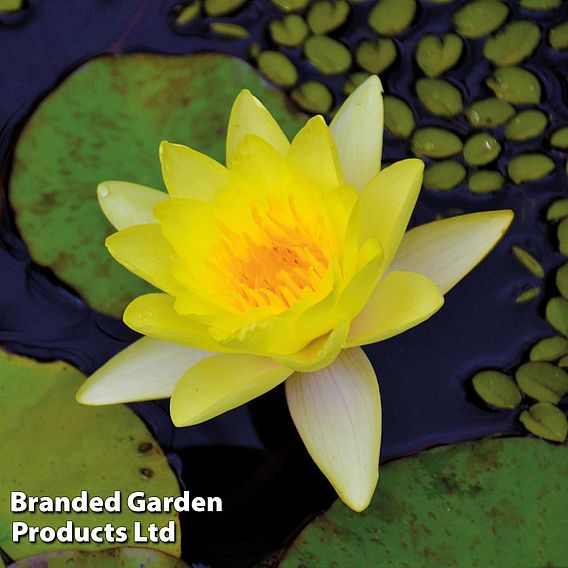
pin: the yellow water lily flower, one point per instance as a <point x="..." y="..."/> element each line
<point x="278" y="267"/>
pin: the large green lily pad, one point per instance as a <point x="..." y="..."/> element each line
<point x="105" y="122"/>
<point x="491" y="504"/>
<point x="115" y="558"/>
<point x="52" y="446"/>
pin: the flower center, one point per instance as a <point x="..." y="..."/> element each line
<point x="275" y="261"/>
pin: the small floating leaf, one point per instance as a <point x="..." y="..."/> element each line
<point x="546" y="421"/>
<point x="563" y="237"/>
<point x="435" y="55"/>
<point x="557" y="314"/>
<point x="444" y="175"/>
<point x="276" y="67"/>
<point x="529" y="167"/>
<point x="558" y="210"/>
<point x="328" y="55"/>
<point x="187" y="12"/>
<point x="527" y="124"/>
<point x="290" y="5"/>
<point x="529" y="262"/>
<point x="439" y="97"/>
<point x="562" y="280"/>
<point x="542" y="381"/>
<point x="399" y="119"/>
<point x="485" y="181"/>
<point x="558" y="36"/>
<point x="390" y="17"/>
<point x="435" y="143"/>
<point x="563" y="362"/>
<point x="549" y="349"/>
<point x="480" y="149"/>
<point x="325" y="16"/>
<point x="496" y="389"/>
<point x="528" y="295"/>
<point x="514" y="43"/>
<point x="490" y="112"/>
<point x="516" y="85"/>
<point x="540" y="4"/>
<point x="376" y="56"/>
<point x="222" y="7"/>
<point x="560" y="138"/>
<point x="229" y="30"/>
<point x="11" y="5"/>
<point x="313" y="97"/>
<point x="480" y="17"/>
<point x="291" y="31"/>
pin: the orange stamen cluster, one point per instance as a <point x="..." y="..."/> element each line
<point x="275" y="262"/>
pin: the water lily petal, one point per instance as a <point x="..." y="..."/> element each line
<point x="154" y="315"/>
<point x="126" y="204"/>
<point x="401" y="300"/>
<point x="387" y="204"/>
<point x="337" y="412"/>
<point x="319" y="353"/>
<point x="357" y="129"/>
<point x="143" y="250"/>
<point x="446" y="250"/>
<point x="146" y="370"/>
<point x="356" y="294"/>
<point x="220" y="383"/>
<point x="259" y="163"/>
<point x="313" y="154"/>
<point x="189" y="174"/>
<point x="250" y="116"/>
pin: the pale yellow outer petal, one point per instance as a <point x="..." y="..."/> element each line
<point x="125" y="204"/>
<point x="188" y="174"/>
<point x="400" y="301"/>
<point x="314" y="155"/>
<point x="357" y="129"/>
<point x="446" y="250"/>
<point x="220" y="383"/>
<point x="154" y="315"/>
<point x="337" y="412"/>
<point x="143" y="250"/>
<point x="146" y="370"/>
<point x="387" y="203"/>
<point x="250" y="116"/>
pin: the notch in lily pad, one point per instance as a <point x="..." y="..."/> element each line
<point x="496" y="389"/>
<point x="542" y="381"/>
<point x="545" y="421"/>
<point x="435" y="55"/>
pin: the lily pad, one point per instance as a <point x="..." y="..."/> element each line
<point x="116" y="557"/>
<point x="105" y="121"/>
<point x="489" y="503"/>
<point x="51" y="445"/>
